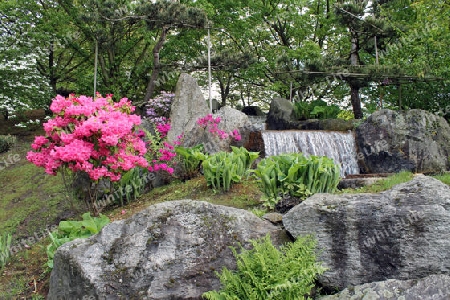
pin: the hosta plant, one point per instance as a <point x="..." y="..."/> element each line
<point x="224" y="168"/>
<point x="70" y="230"/>
<point x="296" y="175"/>
<point x="190" y="159"/>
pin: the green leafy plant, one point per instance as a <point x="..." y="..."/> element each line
<point x="316" y="109"/>
<point x="190" y="159"/>
<point x="326" y="112"/>
<point x="296" y="175"/>
<point x="132" y="184"/>
<point x="6" y="142"/>
<point x="346" y="115"/>
<point x="265" y="272"/>
<point x="302" y="110"/>
<point x="224" y="168"/>
<point x="5" y="245"/>
<point x="70" y="230"/>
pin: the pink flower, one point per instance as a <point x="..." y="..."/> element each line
<point x="94" y="136"/>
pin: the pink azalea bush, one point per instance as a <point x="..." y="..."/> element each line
<point x="211" y="124"/>
<point x="95" y="136"/>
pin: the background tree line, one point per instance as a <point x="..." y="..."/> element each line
<point x="358" y="54"/>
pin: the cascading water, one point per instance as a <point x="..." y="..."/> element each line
<point x="339" y="146"/>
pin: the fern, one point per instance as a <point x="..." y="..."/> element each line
<point x="264" y="272"/>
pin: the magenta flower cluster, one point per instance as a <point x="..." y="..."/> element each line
<point x="96" y="136"/>
<point x="161" y="152"/>
<point x="211" y="123"/>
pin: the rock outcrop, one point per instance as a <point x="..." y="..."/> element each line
<point x="188" y="106"/>
<point x="281" y="114"/>
<point x="168" y="251"/>
<point x="402" y="233"/>
<point x="433" y="287"/>
<point x="392" y="141"/>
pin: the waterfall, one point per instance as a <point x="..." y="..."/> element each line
<point x="339" y="146"/>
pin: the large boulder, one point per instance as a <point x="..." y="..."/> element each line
<point x="168" y="251"/>
<point x="281" y="115"/>
<point x="391" y="141"/>
<point x="435" y="287"/>
<point x="402" y="233"/>
<point x="188" y="106"/>
<point x="230" y="119"/>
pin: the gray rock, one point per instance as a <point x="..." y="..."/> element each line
<point x="274" y="218"/>
<point x="281" y="114"/>
<point x="402" y="233"/>
<point x="433" y="287"/>
<point x="188" y="106"/>
<point x="168" y="251"/>
<point x="392" y="141"/>
<point x="231" y="119"/>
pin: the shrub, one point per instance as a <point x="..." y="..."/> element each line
<point x="211" y="124"/>
<point x="94" y="136"/>
<point x="296" y="175"/>
<point x="224" y="168"/>
<point x="70" y="230"/>
<point x="158" y="108"/>
<point x="264" y="272"/>
<point x="316" y="109"/>
<point x="6" y="142"/>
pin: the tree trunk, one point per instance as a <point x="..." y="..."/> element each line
<point x="354" y="87"/>
<point x="51" y="67"/>
<point x="356" y="101"/>
<point x="156" y="65"/>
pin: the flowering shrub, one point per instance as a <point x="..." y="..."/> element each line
<point x="160" y="152"/>
<point x="211" y="123"/>
<point x="158" y="108"/>
<point x="95" y="136"/>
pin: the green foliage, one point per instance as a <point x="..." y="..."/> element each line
<point x="6" y="142"/>
<point x="224" y="168"/>
<point x="445" y="178"/>
<point x="5" y="245"/>
<point x="190" y="160"/>
<point x="317" y="109"/>
<point x="70" y="230"/>
<point x="131" y="185"/>
<point x="345" y="115"/>
<point x="264" y="272"/>
<point x="296" y="175"/>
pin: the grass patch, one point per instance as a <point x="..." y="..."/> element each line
<point x="26" y="275"/>
<point x="445" y="178"/>
<point x="31" y="199"/>
<point x="244" y="195"/>
<point x="383" y="184"/>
